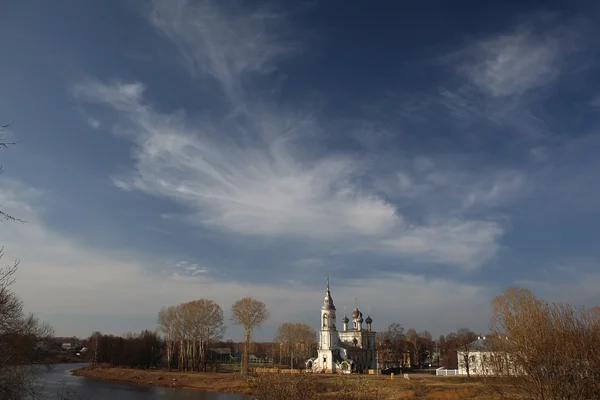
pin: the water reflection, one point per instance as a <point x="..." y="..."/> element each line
<point x="60" y="378"/>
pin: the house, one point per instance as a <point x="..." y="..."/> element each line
<point x="67" y="346"/>
<point x="481" y="359"/>
<point x="41" y="346"/>
<point x="252" y="359"/>
<point x="220" y="354"/>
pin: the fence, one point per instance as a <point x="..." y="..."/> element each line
<point x="446" y="372"/>
<point x="276" y="370"/>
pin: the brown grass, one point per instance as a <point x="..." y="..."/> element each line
<point x="327" y="387"/>
<point x="210" y="382"/>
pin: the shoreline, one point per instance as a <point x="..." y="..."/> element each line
<point x="382" y="387"/>
<point x="226" y="383"/>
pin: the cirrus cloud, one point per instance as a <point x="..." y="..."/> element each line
<point x="270" y="187"/>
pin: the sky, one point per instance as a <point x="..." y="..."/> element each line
<point x="425" y="155"/>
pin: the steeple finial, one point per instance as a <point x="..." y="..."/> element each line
<point x="328" y="302"/>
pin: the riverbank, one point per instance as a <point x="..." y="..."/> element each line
<point x="208" y="382"/>
<point x="418" y="387"/>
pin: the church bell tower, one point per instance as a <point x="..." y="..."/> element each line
<point x="329" y="335"/>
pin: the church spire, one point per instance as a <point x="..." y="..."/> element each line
<point x="328" y="301"/>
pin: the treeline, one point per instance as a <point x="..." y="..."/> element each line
<point x="189" y="328"/>
<point x="408" y="348"/>
<point x="187" y="332"/>
<point x="143" y="350"/>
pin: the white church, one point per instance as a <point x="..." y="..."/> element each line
<point x="349" y="350"/>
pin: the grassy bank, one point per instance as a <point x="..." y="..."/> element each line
<point x="210" y="382"/>
<point x="329" y="386"/>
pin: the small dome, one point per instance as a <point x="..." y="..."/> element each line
<point x="360" y="320"/>
<point x="356" y="313"/>
<point x="369" y="320"/>
<point x="345" y="319"/>
<point x="328" y="302"/>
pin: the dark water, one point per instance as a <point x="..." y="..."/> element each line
<point x="60" y="378"/>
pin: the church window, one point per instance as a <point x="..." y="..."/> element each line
<point x="325" y="320"/>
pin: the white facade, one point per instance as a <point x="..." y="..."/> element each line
<point x="482" y="360"/>
<point x="477" y="362"/>
<point x="351" y="350"/>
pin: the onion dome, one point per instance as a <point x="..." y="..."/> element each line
<point x="360" y="320"/>
<point x="345" y="319"/>
<point x="368" y="320"/>
<point x="356" y="313"/>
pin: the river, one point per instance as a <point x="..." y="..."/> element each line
<point x="60" y="378"/>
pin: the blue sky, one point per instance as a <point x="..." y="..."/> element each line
<point x="425" y="155"/>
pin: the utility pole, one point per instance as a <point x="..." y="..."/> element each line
<point x="377" y="362"/>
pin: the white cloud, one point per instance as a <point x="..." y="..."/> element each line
<point x="501" y="77"/>
<point x="468" y="244"/>
<point x="268" y="186"/>
<point x="454" y="184"/>
<point x="60" y="276"/>
<point x="122" y="96"/>
<point x="574" y="287"/>
<point x="513" y="63"/>
<point x="93" y="122"/>
<point x="224" y="42"/>
<point x="260" y="189"/>
<point x="496" y="190"/>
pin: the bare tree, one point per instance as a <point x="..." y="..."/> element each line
<point x="544" y="350"/>
<point x="392" y="346"/>
<point x="249" y="313"/>
<point x="18" y="332"/>
<point x="192" y="326"/>
<point x="206" y="324"/>
<point x="464" y="339"/>
<point x="4" y="144"/>
<point x="94" y="342"/>
<point x="416" y="341"/>
<point x="297" y="338"/>
<point x="428" y="345"/>
<point x="166" y="322"/>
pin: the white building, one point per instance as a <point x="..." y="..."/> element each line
<point x="482" y="360"/>
<point x="346" y="351"/>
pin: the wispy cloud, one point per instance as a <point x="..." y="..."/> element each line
<point x="265" y="184"/>
<point x="503" y="79"/>
<point x="257" y="188"/>
<point x="263" y="172"/>
<point x="465" y="243"/>
<point x="513" y="63"/>
<point x="223" y="40"/>
<point x="185" y="268"/>
<point x="574" y="281"/>
<point x="93" y="122"/>
<point x="80" y="280"/>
